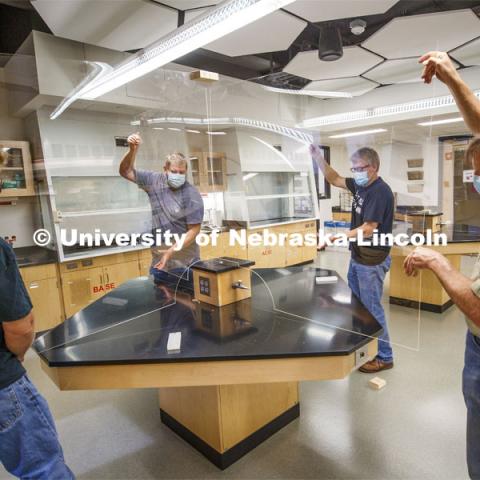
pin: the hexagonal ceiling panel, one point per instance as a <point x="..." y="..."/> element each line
<point x="282" y="30"/>
<point x="355" y="61"/>
<point x="414" y="35"/>
<point x="396" y="71"/>
<point x="115" y="24"/>
<point x="315" y="11"/>
<point x="188" y="4"/>
<point x="356" y="86"/>
<point x="469" y="54"/>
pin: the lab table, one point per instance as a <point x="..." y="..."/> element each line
<point x="425" y="291"/>
<point x="234" y="380"/>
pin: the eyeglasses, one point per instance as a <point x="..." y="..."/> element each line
<point x="360" y="169"/>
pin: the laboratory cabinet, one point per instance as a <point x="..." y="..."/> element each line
<point x="16" y="176"/>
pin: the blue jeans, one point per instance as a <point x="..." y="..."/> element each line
<point x="29" y="446"/>
<point x="471" y="393"/>
<point x="366" y="282"/>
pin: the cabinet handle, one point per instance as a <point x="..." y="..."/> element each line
<point x="108" y="277"/>
<point x="34" y="285"/>
<point x="101" y="279"/>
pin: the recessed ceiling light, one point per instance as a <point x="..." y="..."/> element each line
<point x="216" y="133"/>
<point x="192" y="131"/>
<point x="357" y="134"/>
<point x="441" y="122"/>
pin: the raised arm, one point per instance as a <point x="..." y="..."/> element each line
<point x="440" y="65"/>
<point x="127" y="164"/>
<point x="331" y="175"/>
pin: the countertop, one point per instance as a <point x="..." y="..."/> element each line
<point x="31" y="256"/>
<point x="287" y="316"/>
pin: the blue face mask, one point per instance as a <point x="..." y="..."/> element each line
<point x="361" y="178"/>
<point x="476" y="183"/>
<point x="176" y="180"/>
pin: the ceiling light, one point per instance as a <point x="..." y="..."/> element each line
<point x="158" y="128"/>
<point x="216" y="133"/>
<point x="330" y="46"/>
<point x="312" y="93"/>
<point x="227" y="17"/>
<point x="173" y="129"/>
<point x="441" y="122"/>
<point x="357" y="26"/>
<point x="192" y="131"/>
<point x="357" y="134"/>
<point x="378" y="112"/>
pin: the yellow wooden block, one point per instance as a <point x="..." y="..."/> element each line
<point x="377" y="383"/>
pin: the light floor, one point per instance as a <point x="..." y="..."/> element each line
<point x="413" y="429"/>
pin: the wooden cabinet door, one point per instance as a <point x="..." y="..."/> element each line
<point x="47" y="309"/>
<point x="115" y="275"/>
<point x="81" y="288"/>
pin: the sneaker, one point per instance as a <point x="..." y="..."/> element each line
<point x="375" y="365"/>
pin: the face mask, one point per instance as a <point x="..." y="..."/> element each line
<point x="476" y="183"/>
<point x="361" y="178"/>
<point x="176" y="180"/>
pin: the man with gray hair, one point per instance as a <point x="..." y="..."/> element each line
<point x="372" y="211"/>
<point x="177" y="207"/>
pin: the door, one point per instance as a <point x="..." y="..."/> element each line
<point x="45" y="297"/>
<point x="81" y="288"/>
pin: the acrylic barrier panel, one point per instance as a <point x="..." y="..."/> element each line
<point x="248" y="147"/>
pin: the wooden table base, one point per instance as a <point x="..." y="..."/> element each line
<point x="225" y="422"/>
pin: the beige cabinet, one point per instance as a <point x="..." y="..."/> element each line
<point x="16" y="177"/>
<point x="209" y="171"/>
<point x="84" y="282"/>
<point x="43" y="286"/>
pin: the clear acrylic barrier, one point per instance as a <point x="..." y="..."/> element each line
<point x="248" y="155"/>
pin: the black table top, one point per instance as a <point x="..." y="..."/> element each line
<point x="31" y="256"/>
<point x="287" y="316"/>
<point x="222" y="264"/>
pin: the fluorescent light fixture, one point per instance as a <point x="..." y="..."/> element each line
<point x="358" y="134"/>
<point x="311" y="93"/>
<point x="173" y="129"/>
<point x="216" y="22"/>
<point x="248" y="176"/>
<point x="135" y="122"/>
<point x="441" y="122"/>
<point x="216" y="133"/>
<point x="192" y="131"/>
<point x="379" y="112"/>
<point x="158" y="128"/>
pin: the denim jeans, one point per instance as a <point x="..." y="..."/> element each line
<point x="29" y="445"/>
<point x="471" y="393"/>
<point x="366" y="282"/>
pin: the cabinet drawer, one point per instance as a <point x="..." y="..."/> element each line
<point x="38" y="272"/>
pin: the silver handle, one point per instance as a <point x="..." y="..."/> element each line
<point x="34" y="285"/>
<point x="239" y="285"/>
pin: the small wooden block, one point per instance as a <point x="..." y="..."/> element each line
<point x="377" y="383"/>
<point x="204" y="76"/>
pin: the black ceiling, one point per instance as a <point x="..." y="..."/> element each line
<point x="18" y="19"/>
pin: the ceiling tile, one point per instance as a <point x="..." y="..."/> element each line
<point x="469" y="54"/>
<point x="355" y="61"/>
<point x="115" y="24"/>
<point x="414" y="35"/>
<point x="320" y="11"/>
<point x="396" y="71"/>
<point x="188" y="4"/>
<point x="282" y="30"/>
<point x="356" y="86"/>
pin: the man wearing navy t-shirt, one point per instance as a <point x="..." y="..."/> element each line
<point x="372" y="211"/>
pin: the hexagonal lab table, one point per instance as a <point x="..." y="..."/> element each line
<point x="234" y="381"/>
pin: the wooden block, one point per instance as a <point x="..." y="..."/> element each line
<point x="204" y="76"/>
<point x="377" y="383"/>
